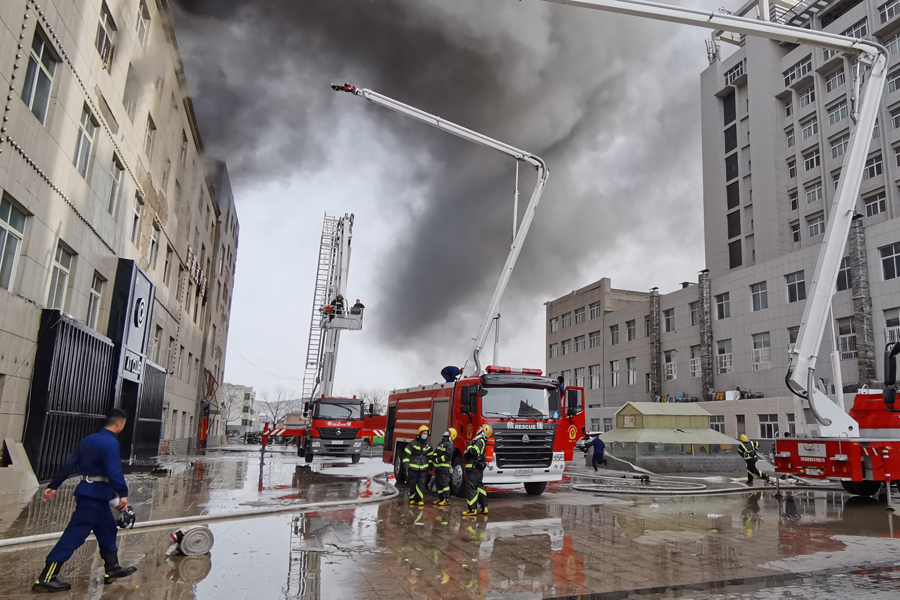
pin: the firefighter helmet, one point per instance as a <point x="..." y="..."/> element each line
<point x="424" y="428"/>
<point x="452" y="433"/>
<point x="487" y="429"/>
<point x="744" y="438"/>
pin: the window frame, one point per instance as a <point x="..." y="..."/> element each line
<point x="95" y="298"/>
<point x="10" y="230"/>
<point x="759" y="296"/>
<point x="796" y="286"/>
<point x="42" y="61"/>
<point x="59" y="275"/>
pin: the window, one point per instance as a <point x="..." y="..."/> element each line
<point x="759" y="296"/>
<point x="696" y="363"/>
<point x="889" y="10"/>
<point x="836" y="178"/>
<point x="796" y="287"/>
<point x="695" y="313"/>
<point x="875" y="204"/>
<point x="894" y="80"/>
<point x="890" y="261"/>
<point x="762" y="352"/>
<point x="669" y="316"/>
<point x="579" y="377"/>
<point x="834" y="80"/>
<point x="647" y="326"/>
<point x="734" y="73"/>
<point x="724" y="357"/>
<point x="795" y="232"/>
<point x="137" y="209"/>
<point x="797" y="71"/>
<point x="816" y="225"/>
<point x="184" y="147"/>
<point x="631" y="328"/>
<point x="768" y="426"/>
<point x="792" y="168"/>
<point x="94" y="301"/>
<point x="875" y="130"/>
<point x="143" y="23"/>
<point x="607" y="424"/>
<point x="793" y="332"/>
<point x="808" y="96"/>
<point x="792" y="198"/>
<point x="39" y="76"/>
<point x="837" y="113"/>
<point x="567" y="377"/>
<point x="595" y="376"/>
<point x="595" y="310"/>
<point x="12" y="230"/>
<point x="579" y="312"/>
<point x="554" y="324"/>
<point x="859" y="29"/>
<point x="723" y="306"/>
<point x="631" y="363"/>
<point x="873" y="167"/>
<point x="614" y="373"/>
<point x="792" y="427"/>
<point x="115" y="187"/>
<point x="153" y="247"/>
<point x="892" y="317"/>
<point x="596" y="339"/>
<point x="579" y="343"/>
<point x="811" y="159"/>
<point x="167" y="268"/>
<point x="105" y="30"/>
<point x="554" y="350"/>
<point x="809" y="128"/>
<point x="717" y="423"/>
<point x="671" y="367"/>
<point x="595" y="425"/>
<point x="828" y="53"/>
<point x="648" y="383"/>
<point x="613" y="335"/>
<point x="733" y="221"/>
<point x="846" y="338"/>
<point x="566" y="347"/>
<point x="149" y="136"/>
<point x="164" y="178"/>
<point x="788" y="107"/>
<point x="839" y="146"/>
<point x="567" y="320"/>
<point x="845" y="277"/>
<point x="789" y="134"/>
<point x="84" y="142"/>
<point x="813" y="192"/>
<point x="59" y="280"/>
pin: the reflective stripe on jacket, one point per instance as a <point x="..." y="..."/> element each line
<point x="418" y="454"/>
<point x="440" y="457"/>
<point x="475" y="453"/>
<point x="748" y="449"/>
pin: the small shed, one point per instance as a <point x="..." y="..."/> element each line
<point x="670" y="438"/>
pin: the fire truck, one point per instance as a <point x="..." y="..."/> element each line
<point x="534" y="433"/>
<point x="335" y="428"/>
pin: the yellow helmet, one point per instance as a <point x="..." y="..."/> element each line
<point x="424" y="428"/>
<point x="452" y="433"/>
<point x="487" y="429"/>
<point x="744" y="438"/>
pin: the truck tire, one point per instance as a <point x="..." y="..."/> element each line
<point x="354" y="459"/>
<point x="308" y="456"/>
<point x="861" y="488"/>
<point x="399" y="471"/>
<point x="458" y="477"/>
<point x="535" y="488"/>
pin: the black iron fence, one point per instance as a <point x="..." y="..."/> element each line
<point x="148" y="420"/>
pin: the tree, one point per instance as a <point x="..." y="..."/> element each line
<point x="231" y="404"/>
<point x="279" y="402"/>
<point x="376" y="395"/>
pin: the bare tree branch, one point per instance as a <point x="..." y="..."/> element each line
<point x="376" y="395"/>
<point x="279" y="401"/>
<point x="231" y="403"/>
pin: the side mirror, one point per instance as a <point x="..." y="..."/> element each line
<point x="890" y="396"/>
<point x="371" y="409"/>
<point x="573" y="401"/>
<point x="465" y="399"/>
<point x="306" y="407"/>
<point x="890" y="365"/>
<point x="482" y="392"/>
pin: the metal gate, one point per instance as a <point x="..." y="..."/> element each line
<point x="71" y="390"/>
<point x="148" y="418"/>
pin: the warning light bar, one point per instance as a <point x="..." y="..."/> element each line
<point x="510" y="370"/>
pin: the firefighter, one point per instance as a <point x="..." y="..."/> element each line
<point x="475" y="464"/>
<point x="417" y="462"/>
<point x="749" y="452"/>
<point x="599" y="448"/>
<point x="97" y="460"/>
<point x="338" y="304"/>
<point x="440" y="460"/>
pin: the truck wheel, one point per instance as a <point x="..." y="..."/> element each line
<point x="535" y="488"/>
<point x="861" y="488"/>
<point x="354" y="459"/>
<point x="458" y="477"/>
<point x="308" y="456"/>
<point x="399" y="471"/>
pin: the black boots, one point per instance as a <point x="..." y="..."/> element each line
<point x="112" y="568"/>
<point x="47" y="582"/>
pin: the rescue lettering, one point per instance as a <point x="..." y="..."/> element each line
<point x="339" y="423"/>
<point x="811" y="459"/>
<point x="526" y="426"/>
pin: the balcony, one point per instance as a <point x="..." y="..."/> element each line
<point x="724" y="363"/>
<point x="761" y="358"/>
<point x="695" y="368"/>
<point x="847" y="346"/>
<point x="891" y="334"/>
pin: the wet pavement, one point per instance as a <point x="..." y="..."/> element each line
<point x="562" y="544"/>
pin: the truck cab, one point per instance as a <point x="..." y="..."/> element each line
<point x="335" y="428"/>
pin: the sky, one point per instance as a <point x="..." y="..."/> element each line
<point x="610" y="102"/>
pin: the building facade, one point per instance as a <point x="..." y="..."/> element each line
<point x="775" y="124"/>
<point x="238" y="404"/>
<point x="101" y="161"/>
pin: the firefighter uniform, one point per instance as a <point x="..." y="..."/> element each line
<point x="440" y="460"/>
<point x="749" y="452"/>
<point x="417" y="460"/>
<point x="475" y="464"/>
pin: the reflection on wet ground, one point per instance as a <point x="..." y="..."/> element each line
<point x="563" y="543"/>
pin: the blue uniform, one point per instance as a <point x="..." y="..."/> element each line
<point x="599" y="447"/>
<point x="96" y="456"/>
<point x="450" y="374"/>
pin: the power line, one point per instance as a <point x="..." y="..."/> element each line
<point x="245" y="345"/>
<point x="230" y="347"/>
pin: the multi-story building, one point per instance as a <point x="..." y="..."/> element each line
<point x="775" y="125"/>
<point x="239" y="402"/>
<point x="107" y="197"/>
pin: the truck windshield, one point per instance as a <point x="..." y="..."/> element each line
<point x="342" y="411"/>
<point x="518" y="403"/>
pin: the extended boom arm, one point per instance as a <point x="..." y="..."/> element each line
<point x="482" y="140"/>
<point x="821" y="415"/>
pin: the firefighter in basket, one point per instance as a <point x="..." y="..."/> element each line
<point x="440" y="460"/>
<point x="417" y="462"/>
<point x="476" y="461"/>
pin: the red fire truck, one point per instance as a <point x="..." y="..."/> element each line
<point x="335" y="428"/>
<point x="534" y="433"/>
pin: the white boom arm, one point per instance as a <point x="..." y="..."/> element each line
<point x="482" y="140"/>
<point x="339" y="271"/>
<point x="821" y="416"/>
